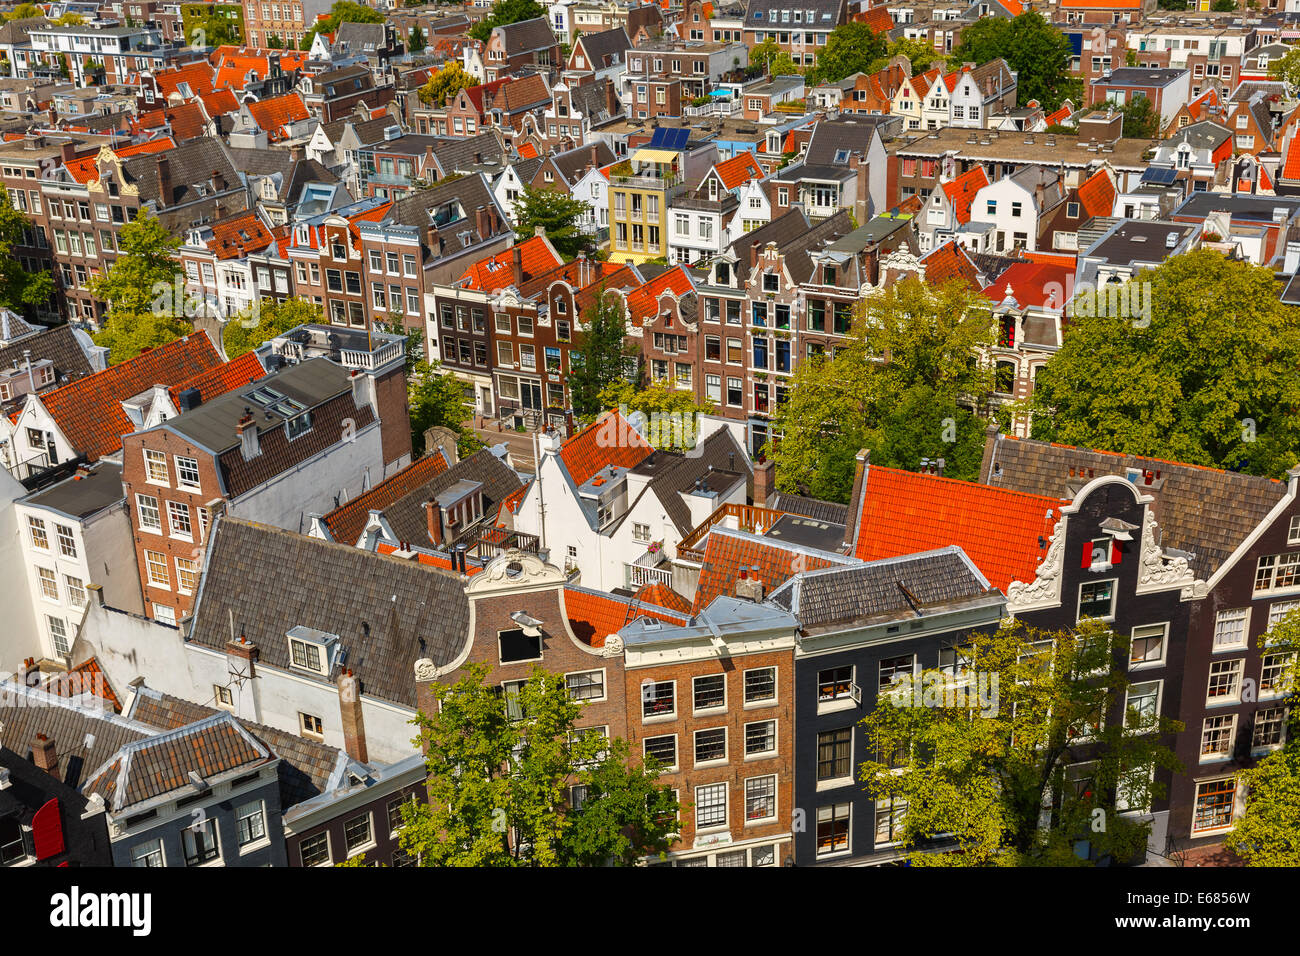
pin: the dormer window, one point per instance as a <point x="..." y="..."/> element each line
<point x="722" y="274"/>
<point x="307" y="656"/>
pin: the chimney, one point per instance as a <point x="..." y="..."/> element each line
<point x="481" y="222"/>
<point x="753" y="257"/>
<point x="351" y="717"/>
<point x="248" y="443"/>
<point x="764" y="483"/>
<point x="165" y="180"/>
<point x="860" y="472"/>
<point x="990" y="444"/>
<point x="595" y="154"/>
<point x="245" y="650"/>
<point x="45" y="755"/>
<point x="68" y="151"/>
<point x="433" y="515"/>
<point x="749" y="588"/>
<point x="517" y="262"/>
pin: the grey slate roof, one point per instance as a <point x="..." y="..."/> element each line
<point x="273" y="580"/>
<point x="829" y="136"/>
<point x="604" y="48"/>
<point x="307" y="767"/>
<point x="59" y="345"/>
<point x="906" y="587"/>
<point x="83" y="496"/>
<point x="831" y="511"/>
<point x="794" y="245"/>
<point x="193" y="164"/>
<point x="457" y="199"/>
<point x="458" y="154"/>
<point x="673" y="474"/>
<point x="527" y="35"/>
<point x="406" y="516"/>
<point x="574" y="162"/>
<point x="1206" y="134"/>
<point x="84" y="737"/>
<point x="1200" y="510"/>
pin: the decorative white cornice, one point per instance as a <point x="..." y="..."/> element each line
<point x="1159" y="572"/>
<point x="1045" y="590"/>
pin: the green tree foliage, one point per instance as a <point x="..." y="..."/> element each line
<point x="1268" y="833"/>
<point x="126" y="335"/>
<point x="143" y="278"/>
<point x="559" y="214"/>
<point x="659" y="401"/>
<point x="1287" y="69"/>
<point x="345" y="11"/>
<point x="1141" y="121"/>
<point x="921" y="55"/>
<point x="69" y="20"/>
<point x="444" y="84"/>
<point x="763" y="54"/>
<point x="602" y="356"/>
<point x="981" y="753"/>
<point x="274" y="41"/>
<point x="1223" y="6"/>
<point x="1035" y="50"/>
<point x="416" y="43"/>
<point x="1194" y="361"/>
<point x="500" y="767"/>
<point x="851" y="48"/>
<point x="505" y="12"/>
<point x="438" y="398"/>
<point x="263" y="322"/>
<point x="783" y="65"/>
<point x="19" y="289"/>
<point x="24" y="11"/>
<point x="906" y="387"/>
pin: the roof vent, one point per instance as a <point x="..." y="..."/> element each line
<point x="1171" y="240"/>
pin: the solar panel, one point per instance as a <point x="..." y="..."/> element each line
<point x="665" y="137"/>
<point x="1161" y="177"/>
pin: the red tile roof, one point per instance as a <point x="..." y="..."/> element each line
<point x="432" y="560"/>
<point x="1291" y="165"/>
<point x="906" y="513"/>
<point x="226" y="377"/>
<point x="644" y="302"/>
<point x="478" y="92"/>
<point x="511" y="502"/>
<point x="609" y="440"/>
<point x="347" y="522"/>
<point x="278" y="112"/>
<point x="1102" y="4"/>
<point x="220" y="102"/>
<point x="961" y="191"/>
<point x="237" y="236"/>
<point x="234" y="63"/>
<point x="1033" y="284"/>
<point x="185" y="121"/>
<point x="89" y="411"/>
<point x="950" y="261"/>
<point x="594" y="616"/>
<point x="537" y="256"/>
<point x="725" y="553"/>
<point x="661" y="595"/>
<point x="197" y="74"/>
<point x="1060" y="116"/>
<point x="1097" y="194"/>
<point x="529" y="151"/>
<point x="878" y="18"/>
<point x="86" y="169"/>
<point x="739" y="169"/>
<point x="85" y="678"/>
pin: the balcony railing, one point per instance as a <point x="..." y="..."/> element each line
<point x="484" y="541"/>
<point x="649" y="568"/>
<point x="751" y="518"/>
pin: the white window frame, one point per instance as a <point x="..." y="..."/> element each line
<point x="154" y="459"/>
<point x="1113" y="582"/>
<point x="776" y="799"/>
<point x="716" y="708"/>
<point x="714" y="761"/>
<point x="604" y="690"/>
<point x="182" y="464"/>
<point x="1239" y="615"/>
<point x="1164" y="646"/>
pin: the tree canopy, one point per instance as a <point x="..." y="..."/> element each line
<point x="921" y="55"/>
<point x="1192" y="361"/>
<point x="126" y="335"/>
<point x="505" y="12"/>
<point x="989" y="748"/>
<point x="851" y="48"/>
<point x="1141" y="121"/>
<point x="1287" y="69"/>
<point x="415" y="43"/>
<point x="19" y="289"/>
<point x="144" y="276"/>
<point x="905" y="386"/>
<point x="659" y="402"/>
<point x="444" y="84"/>
<point x="500" y="769"/>
<point x="264" y="321"/>
<point x="1035" y="50"/>
<point x="558" y="214"/>
<point x="438" y="398"/>
<point x="601" y="356"/>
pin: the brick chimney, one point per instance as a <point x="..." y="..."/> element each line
<point x="517" y="263"/>
<point x="350" y="716"/>
<point x="245" y="650"/>
<point x="45" y="755"/>
<point x="249" y="445"/>
<point x="753" y="257"/>
<point x="482" y="222"/>
<point x="748" y="586"/>
<point x="764" y="483"/>
<point x="433" y="512"/>
<point x="165" y="180"/>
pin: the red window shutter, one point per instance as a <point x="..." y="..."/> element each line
<point x="47" y="831"/>
<point x="1115" y="552"/>
<point x="1087" y="555"/>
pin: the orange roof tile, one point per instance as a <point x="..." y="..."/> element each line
<point x="278" y="112"/>
<point x="1060" y="116"/>
<point x="197" y="75"/>
<point x="1291" y="166"/>
<point x="220" y="102"/>
<point x="609" y="440"/>
<point x="185" y="121"/>
<point x="235" y="63"/>
<point x="1033" y="284"/>
<point x="347" y="522"/>
<point x="950" y="261"/>
<point x="89" y="411"/>
<point x="644" y="302"/>
<point x="511" y="502"/>
<point x="1102" y="4"/>
<point x="727" y="552"/>
<point x="741" y="168"/>
<point x="537" y="256"/>
<point x="878" y="18"/>
<point x="86" y="678"/>
<point x="661" y="595"/>
<point x="594" y="616"/>
<point x="961" y="191"/>
<point x="1097" y="194"/>
<point x="529" y="151"/>
<point x="906" y="513"/>
<point x="86" y="168"/>
<point x="239" y="235"/>
<point x="224" y="378"/>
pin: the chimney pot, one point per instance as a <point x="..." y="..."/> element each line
<point x="45" y="754"/>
